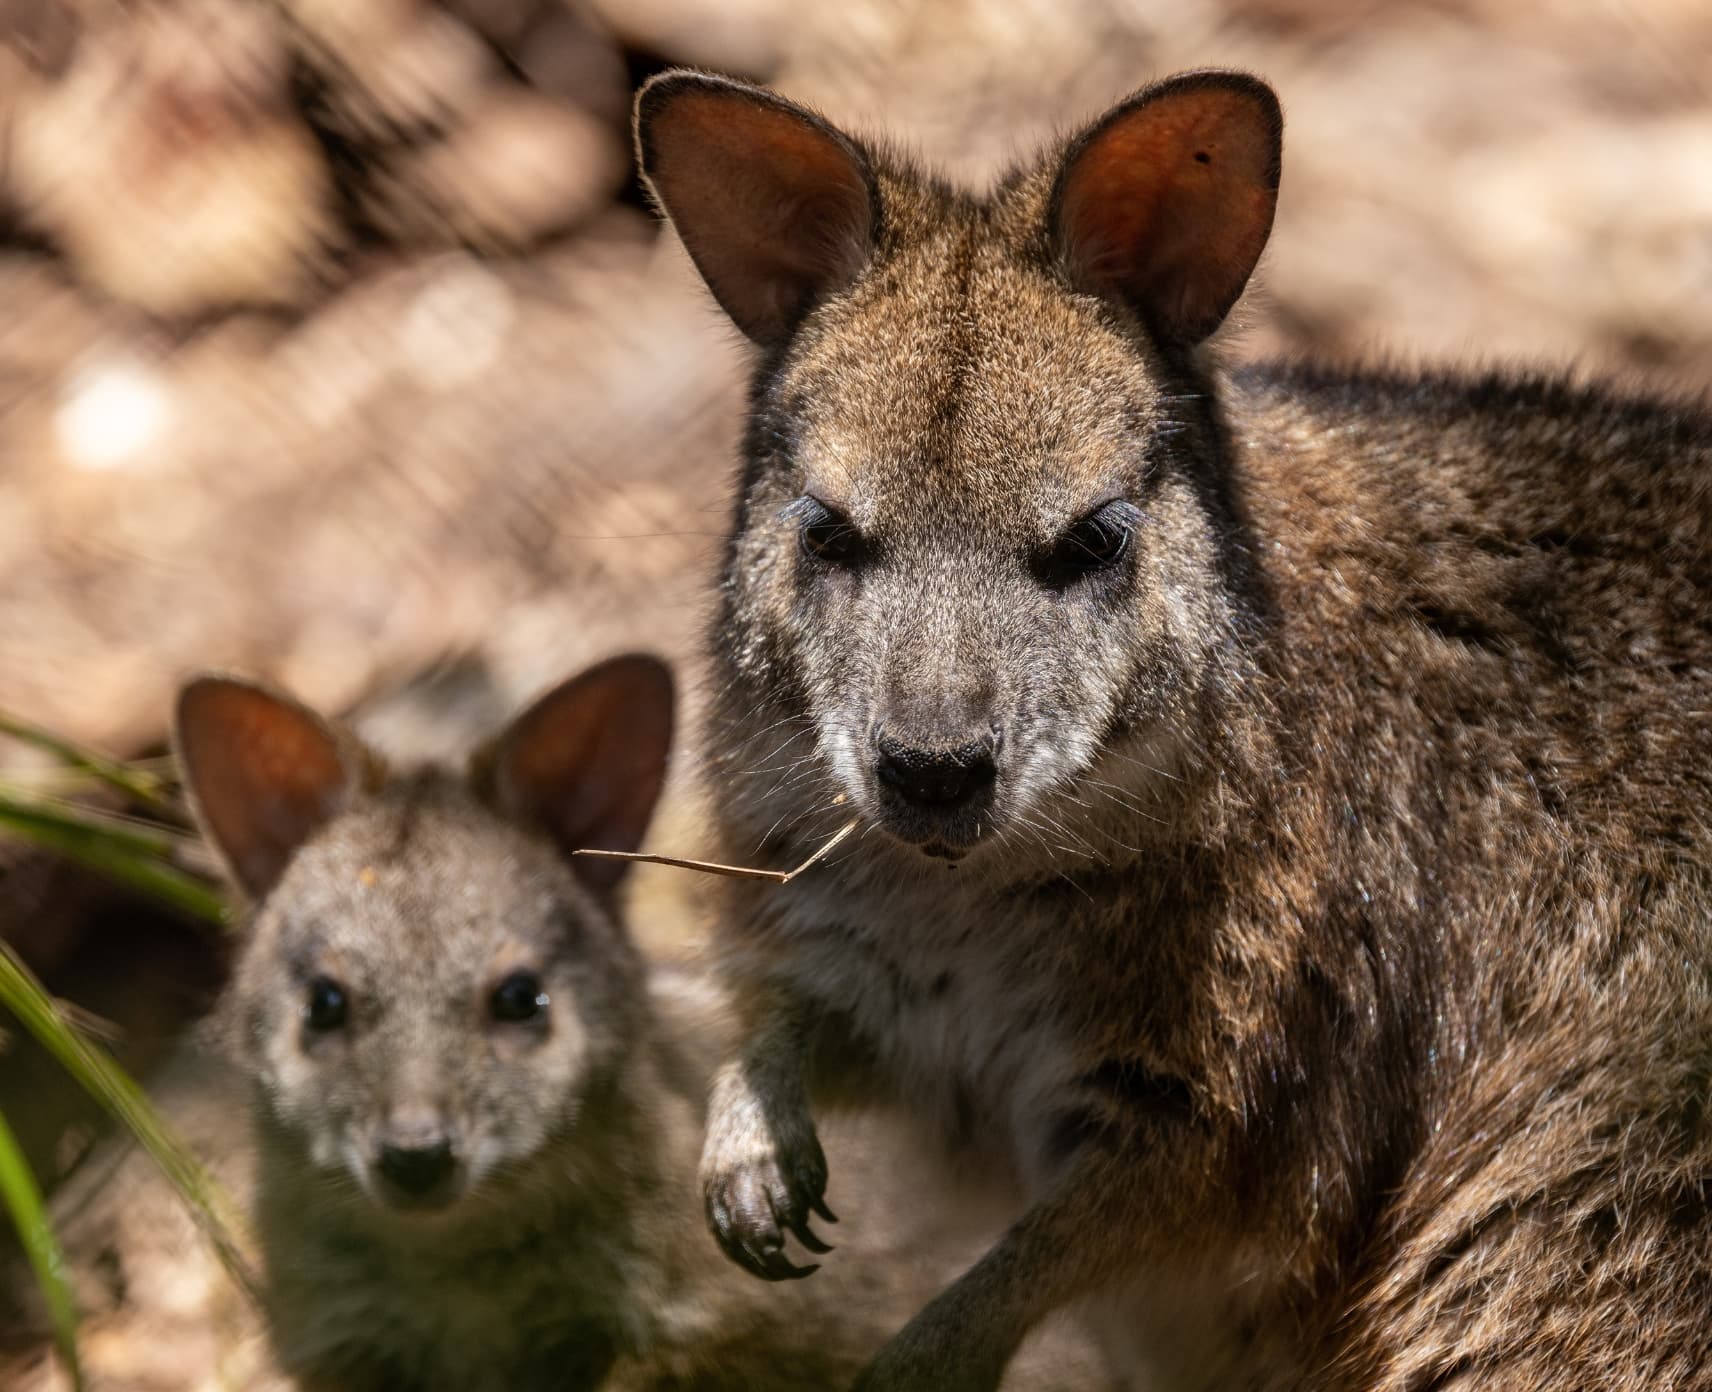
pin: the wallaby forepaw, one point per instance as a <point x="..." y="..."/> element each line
<point x="763" y="1178"/>
<point x="751" y="1209"/>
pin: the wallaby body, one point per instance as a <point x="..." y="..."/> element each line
<point x="1287" y="849"/>
<point x="477" y="1127"/>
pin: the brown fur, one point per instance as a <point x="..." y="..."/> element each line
<point x="567" y="1257"/>
<point x="1331" y="969"/>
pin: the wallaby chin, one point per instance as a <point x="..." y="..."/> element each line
<point x="1330" y="972"/>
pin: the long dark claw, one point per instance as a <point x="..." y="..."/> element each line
<point x="818" y="1204"/>
<point x="762" y="1256"/>
<point x="735" y="1240"/>
<point x="805" y="1235"/>
<point x="779" y="1267"/>
<point x="759" y="1260"/>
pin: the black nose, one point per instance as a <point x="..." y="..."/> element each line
<point x="417" y="1170"/>
<point x="936" y="777"/>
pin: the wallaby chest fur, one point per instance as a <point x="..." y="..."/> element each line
<point x="1286" y="854"/>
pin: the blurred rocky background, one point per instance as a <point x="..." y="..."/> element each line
<point x="337" y="345"/>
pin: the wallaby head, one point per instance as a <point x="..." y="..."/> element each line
<point x="984" y="530"/>
<point x="430" y="989"/>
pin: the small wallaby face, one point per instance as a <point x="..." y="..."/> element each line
<point x="428" y="990"/>
<point x="981" y="533"/>
<point x="426" y="998"/>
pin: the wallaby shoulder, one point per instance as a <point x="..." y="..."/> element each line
<point x="1517" y="562"/>
<point x="1500" y="437"/>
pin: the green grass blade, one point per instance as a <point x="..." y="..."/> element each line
<point x="128" y="834"/>
<point x="138" y="784"/>
<point x="23" y="1199"/>
<point x="134" y="855"/>
<point x="213" y="1210"/>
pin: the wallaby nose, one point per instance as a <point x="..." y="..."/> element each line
<point x="417" y="1170"/>
<point x="936" y="777"/>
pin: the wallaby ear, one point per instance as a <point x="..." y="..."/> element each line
<point x="777" y="209"/>
<point x="585" y="763"/>
<point x="1166" y="201"/>
<point x="264" y="773"/>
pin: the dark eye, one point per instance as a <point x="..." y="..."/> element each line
<point x="518" y="997"/>
<point x="1098" y="542"/>
<point x="326" y="1006"/>
<point x="826" y="536"/>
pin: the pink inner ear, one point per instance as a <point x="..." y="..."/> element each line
<point x="773" y="206"/>
<point x="265" y="774"/>
<point x="586" y="762"/>
<point x="1167" y="205"/>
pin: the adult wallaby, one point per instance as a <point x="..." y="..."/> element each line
<point x="477" y="1115"/>
<point x="1287" y="847"/>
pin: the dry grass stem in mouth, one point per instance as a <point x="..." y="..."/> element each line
<point x="738" y="872"/>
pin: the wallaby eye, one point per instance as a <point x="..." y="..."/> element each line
<point x="1097" y="542"/>
<point x="519" y="996"/>
<point x="326" y="1006"/>
<point x="826" y="535"/>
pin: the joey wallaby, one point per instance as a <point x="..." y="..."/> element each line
<point x="477" y="1134"/>
<point x="1287" y="853"/>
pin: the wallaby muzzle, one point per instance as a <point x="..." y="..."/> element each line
<point x="936" y="787"/>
